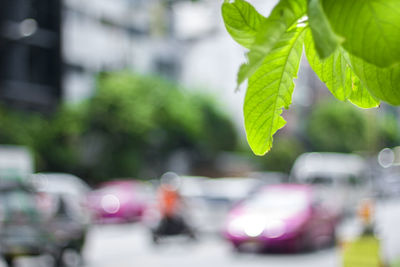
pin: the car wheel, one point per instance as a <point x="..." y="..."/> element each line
<point x="9" y="260"/>
<point x="332" y="241"/>
<point x="71" y="258"/>
<point x="307" y="243"/>
<point x="68" y="257"/>
<point x="155" y="238"/>
<point x="191" y="234"/>
<point x="238" y="248"/>
<point x="316" y="242"/>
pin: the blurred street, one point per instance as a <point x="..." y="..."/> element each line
<point x="126" y="245"/>
<point x="136" y="249"/>
<point x="122" y="142"/>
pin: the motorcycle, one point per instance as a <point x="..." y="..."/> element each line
<point x="171" y="226"/>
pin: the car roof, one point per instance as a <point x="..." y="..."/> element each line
<point x="121" y="182"/>
<point x="59" y="183"/>
<point x="335" y="165"/>
<point x="231" y="187"/>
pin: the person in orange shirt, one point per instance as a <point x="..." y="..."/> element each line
<point x="169" y="201"/>
<point x="171" y="207"/>
<point x="366" y="212"/>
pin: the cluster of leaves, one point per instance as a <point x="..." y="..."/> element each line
<point x="353" y="46"/>
<point x="344" y="127"/>
<point x="129" y="128"/>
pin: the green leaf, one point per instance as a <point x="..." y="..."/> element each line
<point x="331" y="71"/>
<point x="382" y="83"/>
<point x="242" y="21"/>
<point x="255" y="59"/>
<point x="270" y="89"/>
<point x="337" y="74"/>
<point x="326" y="41"/>
<point x="285" y="14"/>
<point x="371" y="28"/>
<point x="360" y="96"/>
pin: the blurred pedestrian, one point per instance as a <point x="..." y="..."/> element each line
<point x="365" y="250"/>
<point x="171" y="208"/>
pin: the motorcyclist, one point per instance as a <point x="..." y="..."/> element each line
<point x="171" y="208"/>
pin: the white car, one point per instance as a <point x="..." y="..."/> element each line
<point x="342" y="179"/>
<point x="64" y="199"/>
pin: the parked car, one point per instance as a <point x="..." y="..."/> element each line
<point x="119" y="201"/>
<point x="346" y="177"/>
<point x="284" y="218"/>
<point x="23" y="228"/>
<point x="63" y="199"/>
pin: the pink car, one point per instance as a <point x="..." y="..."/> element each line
<point x="281" y="218"/>
<point x="119" y="201"/>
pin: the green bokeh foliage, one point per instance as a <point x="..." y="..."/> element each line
<point x="129" y="128"/>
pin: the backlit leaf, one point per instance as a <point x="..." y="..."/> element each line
<point x="242" y="21"/>
<point x="325" y="39"/>
<point x="270" y="89"/>
<point x="382" y="83"/>
<point x="285" y="14"/>
<point x="331" y="71"/>
<point x="360" y="96"/>
<point x="370" y="28"/>
<point x="337" y="74"/>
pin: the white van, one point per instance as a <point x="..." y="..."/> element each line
<point x="16" y="160"/>
<point x="343" y="179"/>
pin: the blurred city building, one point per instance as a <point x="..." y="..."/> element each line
<point x="30" y="60"/>
<point x="153" y="36"/>
<point x="99" y="35"/>
<point x="184" y="40"/>
<point x="52" y="50"/>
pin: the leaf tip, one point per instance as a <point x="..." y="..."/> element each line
<point x="261" y="152"/>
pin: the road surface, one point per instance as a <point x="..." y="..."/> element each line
<point x="129" y="245"/>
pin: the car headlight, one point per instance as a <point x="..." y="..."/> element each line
<point x="254" y="226"/>
<point x="110" y="204"/>
<point x="248" y="225"/>
<point x="236" y="226"/>
<point x="274" y="228"/>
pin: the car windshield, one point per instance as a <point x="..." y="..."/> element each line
<point x="281" y="202"/>
<point x="18" y="202"/>
<point x="60" y="184"/>
<point x="230" y="188"/>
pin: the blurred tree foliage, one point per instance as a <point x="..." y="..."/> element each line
<point x="339" y="127"/>
<point x="388" y="131"/>
<point x="130" y="127"/>
<point x="283" y="154"/>
<point x="332" y="126"/>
